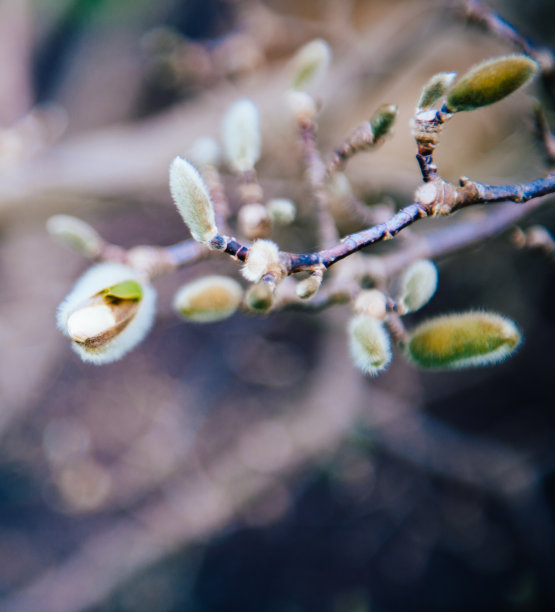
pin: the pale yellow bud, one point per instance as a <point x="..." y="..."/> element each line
<point x="205" y="151"/>
<point x="241" y="135"/>
<point x="208" y="299"/>
<point x="281" y="210"/>
<point x="372" y="303"/>
<point x="263" y="258"/>
<point x="254" y="221"/>
<point x="309" y="286"/>
<point x="418" y="285"/>
<point x="302" y="106"/>
<point x="309" y="65"/>
<point x="75" y="234"/>
<point x="370" y="344"/>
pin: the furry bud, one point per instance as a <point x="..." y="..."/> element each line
<point x="434" y="89"/>
<point x="371" y="302"/>
<point x="192" y="200"/>
<point x="490" y="81"/>
<point x="383" y="119"/>
<point x="205" y="151"/>
<point x="370" y="344"/>
<point x="263" y="257"/>
<point x="463" y="340"/>
<point x="254" y="221"/>
<point x="309" y="65"/>
<point x="259" y="297"/>
<point x="208" y="299"/>
<point x="241" y="135"/>
<point x="75" y="234"/>
<point x="302" y="106"/>
<point x="281" y="210"/>
<point x="418" y="285"/>
<point x="107" y="313"/>
<point x="309" y="286"/>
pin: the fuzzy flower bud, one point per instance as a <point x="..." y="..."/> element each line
<point x="205" y="151"/>
<point x="463" y="340"/>
<point x="309" y="65"/>
<point x="371" y="302"/>
<point x="241" y="135"/>
<point x="382" y="120"/>
<point x="418" y="285"/>
<point x="192" y="200"/>
<point x="490" y="81"/>
<point x="107" y="313"/>
<point x="259" y="297"/>
<point x="302" y="106"/>
<point x="254" y="221"/>
<point x="281" y="210"/>
<point x="434" y="89"/>
<point x="75" y="234"/>
<point x="370" y="344"/>
<point x="263" y="258"/>
<point x="208" y="299"/>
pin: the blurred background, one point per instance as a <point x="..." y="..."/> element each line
<point x="246" y="465"/>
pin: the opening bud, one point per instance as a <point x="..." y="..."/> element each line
<point x="75" y="234"/>
<point x="192" y="200"/>
<point x="369" y="344"/>
<point x="309" y="65"/>
<point x="463" y="340"/>
<point x="107" y="313"/>
<point x="241" y="135"/>
<point x="208" y="299"/>
<point x="490" y="81"/>
<point x="383" y="119"/>
<point x="281" y="210"/>
<point x="418" y="285"/>
<point x="434" y="89"/>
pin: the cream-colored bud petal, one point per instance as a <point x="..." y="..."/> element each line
<point x="241" y="135"/>
<point x="418" y="285"/>
<point x="208" y="299"/>
<point x="263" y="258"/>
<point x="309" y="65"/>
<point x="75" y="234"/>
<point x="90" y="321"/>
<point x="192" y="200"/>
<point x="369" y="344"/>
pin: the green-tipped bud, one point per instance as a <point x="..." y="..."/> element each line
<point x="281" y="210"/>
<point x="418" y="285"/>
<point x="192" y="200"/>
<point x="463" y="340"/>
<point x="382" y="120"/>
<point x="208" y="299"/>
<point x="434" y="89"/>
<point x="259" y="297"/>
<point x="370" y="344"/>
<point x="309" y="65"/>
<point x="241" y="135"/>
<point x="205" y="151"/>
<point x="490" y="82"/>
<point x="75" y="234"/>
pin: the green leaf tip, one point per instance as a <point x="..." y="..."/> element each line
<point x="463" y="340"/>
<point x="490" y="81"/>
<point x="126" y="290"/>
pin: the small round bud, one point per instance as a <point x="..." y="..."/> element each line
<point x="372" y="303"/>
<point x="382" y="120"/>
<point x="370" y="344"/>
<point x="490" y="81"/>
<point x="302" y="106"/>
<point x="281" y="210"/>
<point x="205" y="151"/>
<point x="241" y="135"/>
<point x="309" y="65"/>
<point x="208" y="299"/>
<point x="75" y="234"/>
<point x="309" y="286"/>
<point x="435" y="88"/>
<point x="418" y="285"/>
<point x="259" y="297"/>
<point x="254" y="221"/>
<point x="463" y="340"/>
<point x="192" y="200"/>
<point x="263" y="257"/>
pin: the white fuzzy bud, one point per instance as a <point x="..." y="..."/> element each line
<point x="192" y="200"/>
<point x="418" y="285"/>
<point x="254" y="221"/>
<point x="372" y="303"/>
<point x="263" y="258"/>
<point x="302" y="106"/>
<point x="208" y="299"/>
<point x="309" y="65"/>
<point x="107" y="313"/>
<point x="369" y="344"/>
<point x="281" y="210"/>
<point x="241" y="135"/>
<point x="75" y="234"/>
<point x="205" y="151"/>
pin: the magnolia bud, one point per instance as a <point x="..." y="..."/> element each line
<point x="383" y="119"/>
<point x="490" y="82"/>
<point x="254" y="221"/>
<point x="434" y="89"/>
<point x="75" y="234"/>
<point x="302" y="106"/>
<point x="463" y="340"/>
<point x="241" y="135"/>
<point x="309" y="286"/>
<point x="371" y="302"/>
<point x="107" y="313"/>
<point x="263" y="257"/>
<point x="309" y="65"/>
<point x="418" y="285"/>
<point x="208" y="299"/>
<point x="281" y="210"/>
<point x="192" y="200"/>
<point x="205" y="151"/>
<point x="259" y="297"/>
<point x="369" y="343"/>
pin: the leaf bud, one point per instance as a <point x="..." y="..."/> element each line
<point x="263" y="258"/>
<point x="434" y="89"/>
<point x="259" y="297"/>
<point x="254" y="221"/>
<point x="309" y="65"/>
<point x="281" y="210"/>
<point x="369" y="344"/>
<point x="192" y="200"/>
<point x="382" y="120"/>
<point x="208" y="299"/>
<point x="107" y="313"/>
<point x="463" y="340"/>
<point x="75" y="234"/>
<point x="490" y="81"/>
<point x="371" y="302"/>
<point x="309" y="286"/>
<point x="241" y="135"/>
<point x="418" y="285"/>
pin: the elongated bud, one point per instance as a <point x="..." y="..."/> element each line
<point x="302" y="106"/>
<point x="309" y="65"/>
<point x="254" y="221"/>
<point x="309" y="286"/>
<point x="463" y="340"/>
<point x="241" y="135"/>
<point x="75" y="234"/>
<point x="370" y="344"/>
<point x="371" y="302"/>
<point x="383" y="119"/>
<point x="434" y="89"/>
<point x="259" y="297"/>
<point x="192" y="200"/>
<point x="205" y="151"/>
<point x="281" y="210"/>
<point x="418" y="285"/>
<point x="263" y="258"/>
<point x="208" y="299"/>
<point x="107" y="313"/>
<point x="490" y="82"/>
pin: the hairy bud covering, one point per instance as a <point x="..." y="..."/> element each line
<point x="370" y="344"/>
<point x="418" y="285"/>
<point x="281" y="210"/>
<point x="241" y="135"/>
<point x="263" y="258"/>
<point x="208" y="299"/>
<point x="309" y="65"/>
<point x="383" y="119"/>
<point x="75" y="234"/>
<point x="434" y="89"/>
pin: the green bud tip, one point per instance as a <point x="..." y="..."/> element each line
<point x="208" y="299"/>
<point x="435" y="88"/>
<point x="259" y="297"/>
<point x="383" y="119"/>
<point x="463" y="340"/>
<point x="369" y="344"/>
<point x="309" y="65"/>
<point x="490" y="81"/>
